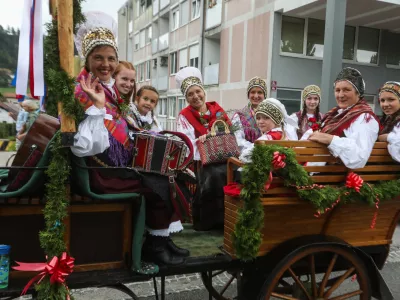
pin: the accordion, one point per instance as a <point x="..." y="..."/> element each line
<point x="162" y="153"/>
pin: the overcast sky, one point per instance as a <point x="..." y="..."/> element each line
<point x="11" y="10"/>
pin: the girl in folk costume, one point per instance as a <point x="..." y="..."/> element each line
<point x="244" y="119"/>
<point x="389" y="99"/>
<point x="309" y="115"/>
<point x="196" y="121"/>
<point x="125" y="83"/>
<point x="350" y="129"/>
<point x="272" y="120"/>
<point x="103" y="136"/>
<point x="142" y="110"/>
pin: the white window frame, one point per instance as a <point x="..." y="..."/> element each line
<point x="182" y="12"/>
<point x="136" y="41"/>
<point x="171" y="99"/>
<point x="182" y="63"/>
<point x="142" y="38"/>
<point x="162" y="113"/>
<point x="353" y="61"/>
<point x="141" y="71"/>
<point x="175" y="19"/>
<point x="390" y="66"/>
<point x="181" y="100"/>
<point x="142" y="7"/>
<point x="149" y="34"/>
<point x="287" y="99"/>
<point x="195" y="13"/>
<point x="174" y="62"/>
<point x="148" y="71"/>
<point x="192" y="59"/>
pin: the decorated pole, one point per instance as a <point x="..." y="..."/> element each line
<point x="63" y="11"/>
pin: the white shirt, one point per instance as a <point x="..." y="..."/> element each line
<point x="92" y="135"/>
<point x="185" y="127"/>
<point x="355" y="149"/>
<point x="394" y="142"/>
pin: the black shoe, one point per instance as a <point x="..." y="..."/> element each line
<point x="177" y="250"/>
<point x="155" y="250"/>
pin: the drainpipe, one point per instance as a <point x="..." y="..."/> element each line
<point x="203" y="25"/>
<point x="127" y="29"/>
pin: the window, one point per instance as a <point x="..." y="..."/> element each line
<point x="137" y="38"/>
<point x="393" y="46"/>
<point x="148" y="3"/>
<point x="184" y="12"/>
<point x="360" y="44"/>
<point x="130" y="26"/>
<point x="195" y="9"/>
<point x="292" y="37"/>
<point x="162" y="107"/>
<point x="290" y="98"/>
<point x="172" y="107"/>
<point x="130" y="49"/>
<point x="137" y="8"/>
<point x="174" y="63"/>
<point x="368" y="45"/>
<point x="149" y="32"/>
<point x="148" y="67"/>
<point x="315" y="38"/>
<point x="175" y="20"/>
<point x="137" y="73"/>
<point x="141" y="72"/>
<point x="348" y="43"/>
<point x="142" y="38"/>
<point x="183" y="58"/>
<point x="194" y="56"/>
<point x="142" y="6"/>
<point x="181" y="104"/>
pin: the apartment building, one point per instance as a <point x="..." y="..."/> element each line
<point x="283" y="41"/>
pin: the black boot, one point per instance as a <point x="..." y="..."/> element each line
<point x="155" y="249"/>
<point x="177" y="250"/>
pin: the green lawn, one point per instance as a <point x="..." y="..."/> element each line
<point x="7" y="90"/>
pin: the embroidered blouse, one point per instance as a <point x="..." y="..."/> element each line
<point x="394" y="142"/>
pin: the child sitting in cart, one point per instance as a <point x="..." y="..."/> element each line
<point x="273" y="121"/>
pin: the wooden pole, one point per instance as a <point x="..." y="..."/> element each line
<point x="63" y="10"/>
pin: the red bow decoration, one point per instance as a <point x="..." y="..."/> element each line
<point x="278" y="161"/>
<point x="354" y="181"/>
<point x="57" y="269"/>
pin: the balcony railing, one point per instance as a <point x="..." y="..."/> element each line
<point x="214" y="15"/>
<point x="154" y="82"/>
<point x="163" y="42"/>
<point x="154" y="46"/>
<point x="155" y="7"/>
<point x="211" y="74"/>
<point x="162" y="83"/>
<point x="163" y="3"/>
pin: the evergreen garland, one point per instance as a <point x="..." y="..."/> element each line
<point x="60" y="88"/>
<point x="247" y="237"/>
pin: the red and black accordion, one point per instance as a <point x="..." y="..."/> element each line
<point x="162" y="153"/>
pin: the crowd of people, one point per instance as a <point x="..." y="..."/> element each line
<point x="115" y="111"/>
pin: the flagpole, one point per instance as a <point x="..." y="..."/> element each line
<point x="63" y="10"/>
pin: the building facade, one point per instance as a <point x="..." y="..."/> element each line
<point x="283" y="41"/>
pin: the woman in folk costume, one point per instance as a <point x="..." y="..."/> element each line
<point x="389" y="99"/>
<point x="103" y="137"/>
<point x="309" y="115"/>
<point x="196" y="121"/>
<point x="350" y="129"/>
<point x="272" y="120"/>
<point x="247" y="131"/>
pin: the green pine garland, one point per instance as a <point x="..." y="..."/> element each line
<point x="247" y="237"/>
<point x="60" y="89"/>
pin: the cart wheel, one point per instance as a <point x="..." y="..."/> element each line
<point x="319" y="272"/>
<point x="217" y="292"/>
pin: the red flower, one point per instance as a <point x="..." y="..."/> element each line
<point x="312" y="120"/>
<point x="315" y="127"/>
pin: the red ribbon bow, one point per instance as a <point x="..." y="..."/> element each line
<point x="278" y="161"/>
<point x="354" y="181"/>
<point x="58" y="269"/>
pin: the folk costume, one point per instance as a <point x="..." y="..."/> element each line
<point x="103" y="136"/>
<point x="355" y="128"/>
<point x="303" y="119"/>
<point x="276" y="111"/>
<point x="208" y="202"/>
<point x="391" y="123"/>
<point x="244" y="120"/>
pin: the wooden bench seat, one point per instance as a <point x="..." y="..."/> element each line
<point x="287" y="216"/>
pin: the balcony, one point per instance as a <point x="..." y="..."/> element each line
<point x="214" y="16"/>
<point x="154" y="82"/>
<point x="211" y="74"/>
<point x="155" y="7"/>
<point x="163" y="42"/>
<point x="162" y="83"/>
<point x="154" y="46"/>
<point x="163" y="3"/>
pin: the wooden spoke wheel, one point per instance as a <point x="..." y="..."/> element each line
<point x="319" y="272"/>
<point x="212" y="284"/>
